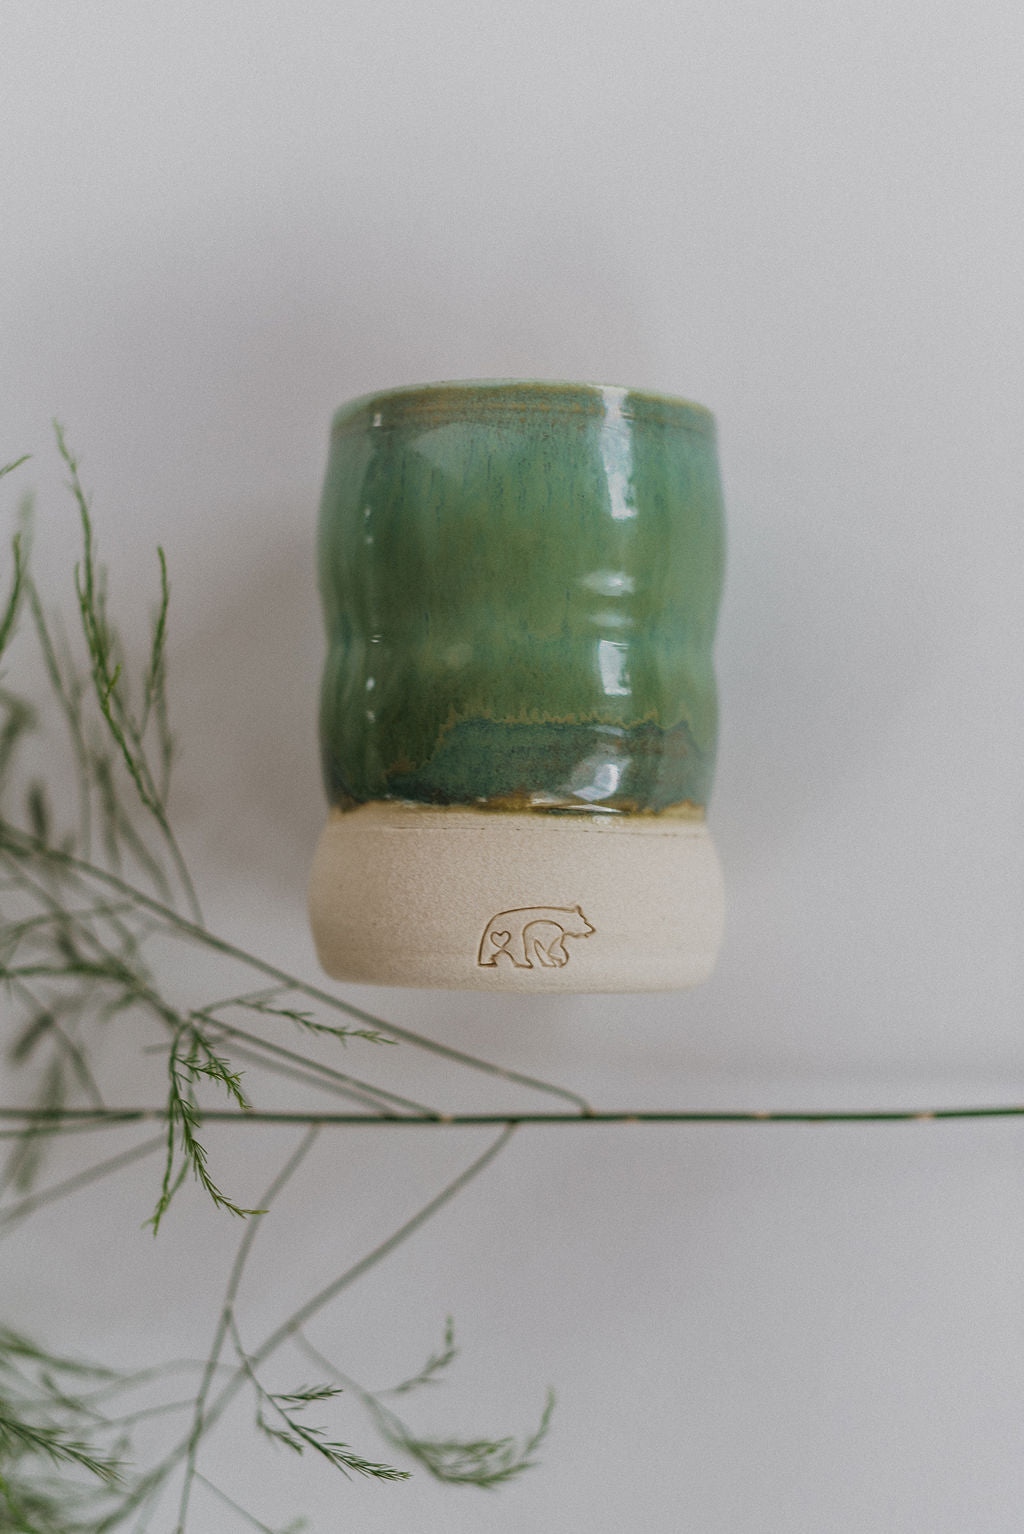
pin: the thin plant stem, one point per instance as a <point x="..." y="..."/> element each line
<point x="85" y="1126"/>
<point x="308" y="1078"/>
<point x="249" y="1518"/>
<point x="70" y="707"/>
<point x="122" y="1382"/>
<point x="162" y="1409"/>
<point x="199" y="1418"/>
<point x="323" y="1297"/>
<point x="26" y="1206"/>
<point x="81" y="1117"/>
<point x="327" y="1071"/>
<point x="75" y="1054"/>
<point x="310" y="1307"/>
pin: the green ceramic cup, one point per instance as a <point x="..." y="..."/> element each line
<point x="520" y="583"/>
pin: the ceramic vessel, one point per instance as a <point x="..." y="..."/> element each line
<point x="518" y="711"/>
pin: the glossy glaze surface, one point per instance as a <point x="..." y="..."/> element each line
<point x="520" y="584"/>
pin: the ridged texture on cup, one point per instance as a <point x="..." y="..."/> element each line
<point x="520" y="584"/>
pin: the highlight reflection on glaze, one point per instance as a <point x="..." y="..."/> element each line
<point x="520" y="584"/>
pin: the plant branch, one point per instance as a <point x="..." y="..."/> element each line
<point x="106" y="674"/>
<point x="82" y="1117"/>
<point x="26" y="1206"/>
<point x="199" y="1418"/>
<point x="295" y="1322"/>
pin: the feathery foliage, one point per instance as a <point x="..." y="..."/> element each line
<point x="483" y="1462"/>
<point x="82" y="905"/>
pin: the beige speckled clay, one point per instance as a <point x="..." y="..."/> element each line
<point x="470" y="899"/>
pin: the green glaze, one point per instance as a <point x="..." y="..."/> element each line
<point x="520" y="584"/>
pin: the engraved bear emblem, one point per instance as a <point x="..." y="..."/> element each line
<point x="532" y="935"/>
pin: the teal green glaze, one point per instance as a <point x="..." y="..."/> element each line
<point x="520" y="583"/>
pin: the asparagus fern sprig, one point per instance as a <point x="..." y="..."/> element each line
<point x="88" y="912"/>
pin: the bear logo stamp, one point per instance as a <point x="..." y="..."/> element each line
<point x="532" y="937"/>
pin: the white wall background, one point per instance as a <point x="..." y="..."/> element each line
<point x="221" y="220"/>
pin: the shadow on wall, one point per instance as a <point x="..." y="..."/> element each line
<point x="248" y="796"/>
<point x="255" y="372"/>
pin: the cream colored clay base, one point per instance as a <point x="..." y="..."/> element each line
<point x="492" y="901"/>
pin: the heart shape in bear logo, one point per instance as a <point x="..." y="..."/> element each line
<point x="499" y="939"/>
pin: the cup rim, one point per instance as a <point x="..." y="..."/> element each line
<point x="385" y="409"/>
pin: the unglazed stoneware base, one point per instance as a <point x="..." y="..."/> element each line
<point x="404" y="894"/>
